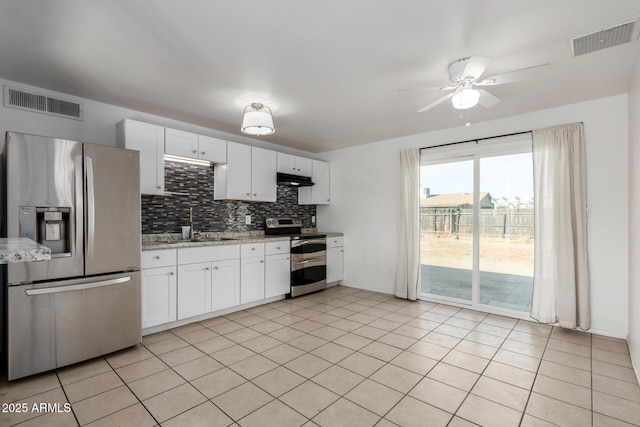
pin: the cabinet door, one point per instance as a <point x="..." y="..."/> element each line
<point x="149" y="141"/>
<point x="251" y="279"/>
<point x="225" y="284"/>
<point x="181" y="143"/>
<point x="320" y="177"/>
<point x="263" y="175"/>
<point x="304" y="166"/>
<point x="212" y="149"/>
<point x="318" y="194"/>
<point x="277" y="275"/>
<point x="238" y="171"/>
<point x="286" y="163"/>
<point x="335" y="257"/>
<point x="158" y="296"/>
<point x="194" y="289"/>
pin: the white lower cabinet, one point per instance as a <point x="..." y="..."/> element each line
<point x="158" y="287"/>
<point x="194" y="289"/>
<point x="184" y="283"/>
<point x="251" y="279"/>
<point x="277" y="269"/>
<point x="158" y="295"/>
<point x="335" y="259"/>
<point x="225" y="281"/>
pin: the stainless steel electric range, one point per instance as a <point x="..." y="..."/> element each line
<point x="308" y="254"/>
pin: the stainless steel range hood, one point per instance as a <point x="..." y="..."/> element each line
<point x="294" y="180"/>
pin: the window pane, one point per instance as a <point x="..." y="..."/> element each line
<point x="506" y="231"/>
<point x="446" y="229"/>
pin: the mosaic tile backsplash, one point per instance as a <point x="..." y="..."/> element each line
<point x="167" y="214"/>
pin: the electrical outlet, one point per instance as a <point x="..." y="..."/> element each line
<point x="247" y="219"/>
<point x="313" y="219"/>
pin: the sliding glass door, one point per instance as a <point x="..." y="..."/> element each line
<point x="476" y="225"/>
<point x="446" y="230"/>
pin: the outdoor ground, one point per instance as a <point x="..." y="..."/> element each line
<point x="506" y="269"/>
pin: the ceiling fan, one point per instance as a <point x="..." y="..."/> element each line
<point x="465" y="76"/>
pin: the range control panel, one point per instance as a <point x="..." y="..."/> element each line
<point x="283" y="222"/>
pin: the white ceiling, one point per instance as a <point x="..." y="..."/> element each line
<point x="330" y="70"/>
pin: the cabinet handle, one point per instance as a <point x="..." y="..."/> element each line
<point x="277" y="247"/>
<point x="261" y="260"/>
<point x="207" y="269"/>
<point x="194" y="151"/>
<point x="203" y="153"/>
<point x="253" y="249"/>
<point x="248" y="194"/>
<point x="158" y="187"/>
<point x="341" y="250"/>
<point x="254" y="194"/>
<point x="287" y="258"/>
<point x="171" y="273"/>
<point x="215" y="268"/>
<point x="157" y="257"/>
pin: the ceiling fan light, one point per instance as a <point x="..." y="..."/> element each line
<point x="257" y="120"/>
<point x="465" y="98"/>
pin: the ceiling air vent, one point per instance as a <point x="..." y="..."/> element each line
<point x="605" y="38"/>
<point x="40" y="103"/>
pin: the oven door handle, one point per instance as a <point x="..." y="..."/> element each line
<point x="295" y="243"/>
<point x="308" y="263"/>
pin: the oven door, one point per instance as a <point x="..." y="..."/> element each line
<point x="308" y="275"/>
<point x="308" y="265"/>
<point x="308" y="247"/>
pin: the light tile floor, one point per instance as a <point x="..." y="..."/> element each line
<point x="344" y="357"/>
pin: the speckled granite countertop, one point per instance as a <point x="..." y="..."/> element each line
<point x="20" y="249"/>
<point x="174" y="240"/>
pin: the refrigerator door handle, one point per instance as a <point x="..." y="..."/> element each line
<point x="58" y="289"/>
<point x="91" y="208"/>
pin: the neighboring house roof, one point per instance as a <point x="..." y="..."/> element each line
<point x="450" y="200"/>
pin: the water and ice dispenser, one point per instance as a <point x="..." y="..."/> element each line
<point x="49" y="226"/>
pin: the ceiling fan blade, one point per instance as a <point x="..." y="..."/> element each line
<point x="487" y="99"/>
<point x="475" y="66"/>
<point x="425" y="87"/>
<point x="436" y="102"/>
<point x="512" y="76"/>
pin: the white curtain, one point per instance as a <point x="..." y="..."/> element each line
<point x="561" y="276"/>
<point x="408" y="253"/>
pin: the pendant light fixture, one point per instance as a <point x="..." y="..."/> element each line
<point x="257" y="120"/>
<point x="465" y="98"/>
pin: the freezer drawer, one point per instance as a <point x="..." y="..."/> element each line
<point x="59" y="323"/>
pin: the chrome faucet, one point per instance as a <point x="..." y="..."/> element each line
<point x="192" y="232"/>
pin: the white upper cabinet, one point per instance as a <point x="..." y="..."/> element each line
<point x="194" y="146"/>
<point x="149" y="141"/>
<point x="249" y="174"/>
<point x="263" y="175"/>
<point x="212" y="149"/>
<point x="294" y="165"/>
<point x="318" y="194"/>
<point x="180" y="143"/>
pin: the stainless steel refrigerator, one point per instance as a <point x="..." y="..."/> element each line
<point x="81" y="200"/>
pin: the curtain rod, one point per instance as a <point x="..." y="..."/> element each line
<point x="476" y="140"/>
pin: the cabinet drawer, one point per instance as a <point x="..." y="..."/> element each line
<point x="251" y="249"/>
<point x="158" y="258"/>
<point x="334" y="242"/>
<point x="208" y="253"/>
<point x="281" y="247"/>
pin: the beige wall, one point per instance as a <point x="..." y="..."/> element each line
<point x="634" y="221"/>
<point x="364" y="201"/>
